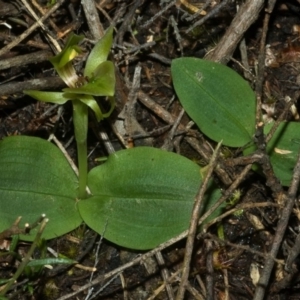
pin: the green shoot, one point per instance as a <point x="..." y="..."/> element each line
<point x="99" y="80"/>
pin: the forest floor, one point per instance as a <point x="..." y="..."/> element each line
<point x="150" y="34"/>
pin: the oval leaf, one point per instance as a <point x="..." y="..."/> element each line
<point x="36" y="179"/>
<point x="217" y="99"/>
<point x="142" y="197"/>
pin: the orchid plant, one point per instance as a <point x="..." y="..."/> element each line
<point x="98" y="80"/>
<point x="135" y="195"/>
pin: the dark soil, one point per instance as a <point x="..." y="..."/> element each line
<point x="150" y="37"/>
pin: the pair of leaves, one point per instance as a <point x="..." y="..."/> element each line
<point x="140" y="197"/>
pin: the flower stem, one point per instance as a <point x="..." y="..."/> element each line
<point x="80" y="120"/>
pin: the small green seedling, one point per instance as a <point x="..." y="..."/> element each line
<point x="233" y="200"/>
<point x="31" y="268"/>
<point x="51" y="3"/>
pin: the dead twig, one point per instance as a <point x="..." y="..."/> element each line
<point x="32" y="28"/>
<point x="93" y="19"/>
<point x="279" y="121"/>
<point x="271" y="180"/>
<point x="280" y="231"/>
<point x="161" y="12"/>
<point x="22" y="60"/>
<point x="46" y="30"/>
<point x="197" y="209"/>
<point x="47" y="83"/>
<point x="246" y="15"/>
<point x="293" y="253"/>
<point x="127" y="21"/>
<point x="226" y="195"/>
<point x="165" y="275"/>
<point x="209" y="15"/>
<point x="126" y="125"/>
<point x="13" y="230"/>
<point x="168" y="141"/>
<point x="209" y="271"/>
<point x="240" y="247"/>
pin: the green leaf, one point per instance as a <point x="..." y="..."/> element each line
<point x="93" y="105"/>
<point x="112" y="103"/>
<point x="283" y="150"/>
<point x="142" y="197"/>
<point x="52" y="97"/>
<point x="70" y="51"/>
<point x="101" y="84"/>
<point x="217" y="99"/>
<point x="62" y="61"/>
<point x="36" y="179"/>
<point x="99" y="53"/>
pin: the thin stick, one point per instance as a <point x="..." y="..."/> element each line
<point x="64" y="151"/>
<point x="209" y="15"/>
<point x="246" y="15"/>
<point x="168" y="145"/>
<point x="241" y="247"/>
<point x="165" y="275"/>
<point x="198" y="207"/>
<point x="31" y="29"/>
<point x="280" y="231"/>
<point x="236" y="209"/>
<point x="93" y="19"/>
<point x="51" y="39"/>
<point x="163" y="10"/>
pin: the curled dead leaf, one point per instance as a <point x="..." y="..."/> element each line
<point x="282" y="151"/>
